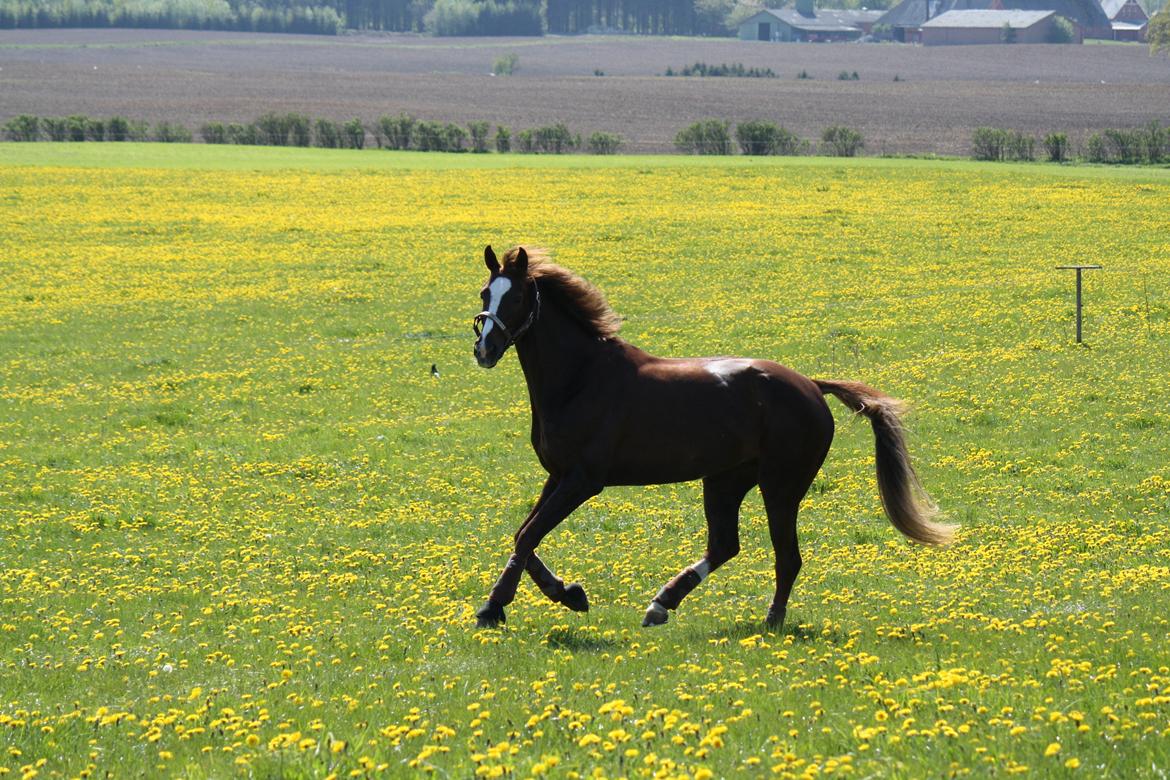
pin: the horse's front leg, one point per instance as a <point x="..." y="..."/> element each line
<point x="572" y="595"/>
<point x="568" y="494"/>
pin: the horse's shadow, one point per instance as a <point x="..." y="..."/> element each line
<point x="576" y="641"/>
<point x="742" y="629"/>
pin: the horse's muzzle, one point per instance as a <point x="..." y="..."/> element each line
<point x="488" y="357"/>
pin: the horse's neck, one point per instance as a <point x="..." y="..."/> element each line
<point x="552" y="355"/>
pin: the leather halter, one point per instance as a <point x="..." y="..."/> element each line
<point x="533" y="315"/>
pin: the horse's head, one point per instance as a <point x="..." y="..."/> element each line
<point x="511" y="303"/>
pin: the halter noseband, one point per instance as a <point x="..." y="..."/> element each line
<point x="533" y="315"/>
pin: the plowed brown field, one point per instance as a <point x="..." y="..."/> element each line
<point x="941" y="95"/>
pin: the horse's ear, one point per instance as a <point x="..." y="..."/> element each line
<point x="521" y="262"/>
<point x="489" y="259"/>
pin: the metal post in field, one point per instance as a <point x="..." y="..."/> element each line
<point x="1079" y="269"/>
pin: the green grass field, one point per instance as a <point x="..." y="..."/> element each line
<point x="267" y="158"/>
<point x="244" y="529"/>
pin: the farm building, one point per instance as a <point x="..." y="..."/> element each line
<point x="1127" y="18"/>
<point x="975" y="27"/>
<point x="907" y="17"/>
<point x="804" y="22"/>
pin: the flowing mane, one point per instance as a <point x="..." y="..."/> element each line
<point x="580" y="299"/>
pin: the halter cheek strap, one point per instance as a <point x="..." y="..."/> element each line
<point x="533" y="315"/>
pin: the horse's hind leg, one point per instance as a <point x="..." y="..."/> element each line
<point x="782" y="493"/>
<point x="722" y="496"/>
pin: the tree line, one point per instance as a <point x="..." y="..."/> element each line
<point x="329" y="17"/>
<point x="402" y="132"/>
<point x="1149" y="145"/>
<point x="284" y="16"/>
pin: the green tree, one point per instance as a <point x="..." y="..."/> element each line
<point x="428" y="136"/>
<point x="55" y="127"/>
<point x="479" y="136"/>
<point x="604" y="143"/>
<point x="355" y="134"/>
<point x="506" y="65"/>
<point x="842" y="141"/>
<point x="762" y="137"/>
<point x="709" y="136"/>
<point x="1056" y="144"/>
<point x="1158" y="31"/>
<point x="454" y="138"/>
<point x="272" y="129"/>
<point x="171" y="133"/>
<point x="452" y="17"/>
<point x="1095" y="150"/>
<point x="23" y="128"/>
<point x="327" y="134"/>
<point x="118" y="128"/>
<point x="1020" y="146"/>
<point x="398" y="130"/>
<point x="503" y="139"/>
<point x="213" y="133"/>
<point x="712" y="17"/>
<point x="95" y="130"/>
<point x="1062" y="31"/>
<point x="299" y="129"/>
<point x="988" y="143"/>
<point x="76" y="126"/>
<point x="242" y="134"/>
<point x="1155" y="142"/>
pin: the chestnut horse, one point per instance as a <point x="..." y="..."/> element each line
<point x="606" y="413"/>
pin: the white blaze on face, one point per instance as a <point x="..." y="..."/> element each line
<point x="496" y="291"/>
<point x="725" y="368"/>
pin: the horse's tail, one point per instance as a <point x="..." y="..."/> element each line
<point x="907" y="505"/>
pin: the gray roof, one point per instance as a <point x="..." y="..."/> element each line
<point x="985" y="19"/>
<point x="824" y="20"/>
<point x="912" y="13"/>
<point x="1113" y="7"/>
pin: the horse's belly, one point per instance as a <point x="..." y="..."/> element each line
<point x="679" y="450"/>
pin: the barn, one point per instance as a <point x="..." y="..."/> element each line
<point x="974" y="27"/>
<point x="804" y="22"/>
<point x="1127" y="18"/>
<point x="907" y="17"/>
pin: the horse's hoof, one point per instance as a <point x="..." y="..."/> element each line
<point x="656" y="615"/>
<point x="575" y="599"/>
<point x="775" y="618"/>
<point x="490" y="615"/>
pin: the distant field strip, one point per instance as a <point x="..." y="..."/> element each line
<point x="244" y="528"/>
<point x="907" y="99"/>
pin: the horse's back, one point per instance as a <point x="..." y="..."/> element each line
<point x="689" y="418"/>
